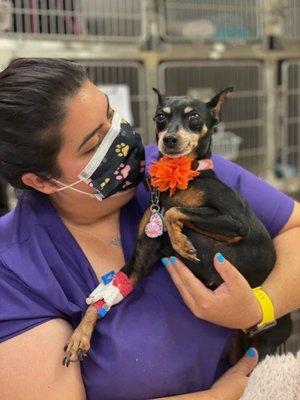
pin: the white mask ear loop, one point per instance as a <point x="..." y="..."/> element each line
<point x="96" y="196"/>
<point x="67" y="186"/>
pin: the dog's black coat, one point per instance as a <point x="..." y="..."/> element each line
<point x="222" y="211"/>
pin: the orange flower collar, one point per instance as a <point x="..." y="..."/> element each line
<point x="175" y="173"/>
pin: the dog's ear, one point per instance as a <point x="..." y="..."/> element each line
<point x="216" y="103"/>
<point x="160" y="96"/>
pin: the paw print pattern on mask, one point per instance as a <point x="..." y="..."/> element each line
<point x="122" y="172"/>
<point x="122" y="149"/>
<point x="90" y="183"/>
<point x="127" y="183"/>
<point x="105" y="182"/>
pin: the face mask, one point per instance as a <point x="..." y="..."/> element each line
<point x="118" y="164"/>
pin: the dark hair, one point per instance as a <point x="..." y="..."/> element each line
<point x="33" y="94"/>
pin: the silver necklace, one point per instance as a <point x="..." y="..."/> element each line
<point x="115" y="241"/>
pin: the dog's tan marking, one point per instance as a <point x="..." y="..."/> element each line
<point x="214" y="235"/>
<point x="81" y="337"/>
<point x="195" y="141"/>
<point x="174" y="221"/>
<point x="144" y="221"/>
<point x="204" y="130"/>
<point x="167" y="110"/>
<point x="188" y="110"/>
<point x="191" y="197"/>
<point x="187" y="138"/>
<point x="194" y="136"/>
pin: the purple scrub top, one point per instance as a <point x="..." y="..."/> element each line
<point x="148" y="346"/>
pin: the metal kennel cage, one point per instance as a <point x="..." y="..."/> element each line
<point x="214" y="20"/>
<point x="131" y="73"/>
<point x="291" y="26"/>
<point x="112" y="20"/>
<point x="293" y="343"/>
<point x="243" y="132"/>
<point x="289" y="134"/>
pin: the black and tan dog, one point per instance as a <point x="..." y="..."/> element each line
<point x="206" y="218"/>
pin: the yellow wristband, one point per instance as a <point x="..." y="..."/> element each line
<point x="266" y="307"/>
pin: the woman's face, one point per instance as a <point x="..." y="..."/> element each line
<point x="87" y="121"/>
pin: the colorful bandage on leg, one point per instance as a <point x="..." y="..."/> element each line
<point x="113" y="288"/>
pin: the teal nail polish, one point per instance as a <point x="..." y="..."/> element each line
<point x="173" y="260"/>
<point x="251" y="352"/>
<point x="165" y="261"/>
<point x="220" y="257"/>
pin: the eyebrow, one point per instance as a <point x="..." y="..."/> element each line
<point x="94" y="131"/>
<point x="187" y="110"/>
<point x="167" y="110"/>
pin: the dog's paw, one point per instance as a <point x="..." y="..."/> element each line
<point x="77" y="346"/>
<point x="185" y="248"/>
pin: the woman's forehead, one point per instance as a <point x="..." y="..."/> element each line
<point x="88" y="99"/>
<point x="85" y="111"/>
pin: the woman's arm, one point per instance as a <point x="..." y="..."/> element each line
<point x="282" y="285"/>
<point x="230" y="386"/>
<point x="233" y="303"/>
<point x="31" y="369"/>
<point x="31" y="365"/>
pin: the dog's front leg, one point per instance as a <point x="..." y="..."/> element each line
<point x="174" y="221"/>
<point x="79" y="343"/>
<point x="205" y="220"/>
<point x="146" y="253"/>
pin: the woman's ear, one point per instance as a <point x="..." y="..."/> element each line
<point x="39" y="184"/>
<point x="216" y="103"/>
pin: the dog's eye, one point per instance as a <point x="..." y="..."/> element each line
<point x="195" y="121"/>
<point x="194" y="118"/>
<point x="161" y="121"/>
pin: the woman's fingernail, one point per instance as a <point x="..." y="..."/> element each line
<point x="220" y="257"/>
<point x="173" y="260"/>
<point x="251" y="352"/>
<point x="166" y="261"/>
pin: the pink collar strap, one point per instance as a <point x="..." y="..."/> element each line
<point x="206" y="163"/>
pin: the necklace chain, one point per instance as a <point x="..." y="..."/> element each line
<point x="115" y="241"/>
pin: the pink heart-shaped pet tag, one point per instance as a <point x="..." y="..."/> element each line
<point x="155" y="226"/>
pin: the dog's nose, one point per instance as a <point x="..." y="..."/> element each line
<point x="170" y="140"/>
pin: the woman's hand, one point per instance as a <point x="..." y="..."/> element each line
<point x="232" y="304"/>
<point x="230" y="386"/>
<point x="233" y="383"/>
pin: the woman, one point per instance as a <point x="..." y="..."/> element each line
<point x="56" y="242"/>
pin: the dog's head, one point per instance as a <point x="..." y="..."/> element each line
<point x="184" y="125"/>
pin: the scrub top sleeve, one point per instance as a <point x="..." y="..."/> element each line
<point x="20" y="307"/>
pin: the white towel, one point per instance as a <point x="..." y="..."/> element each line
<point x="275" y="378"/>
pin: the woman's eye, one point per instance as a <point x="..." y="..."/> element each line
<point x="92" y="149"/>
<point x="161" y="121"/>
